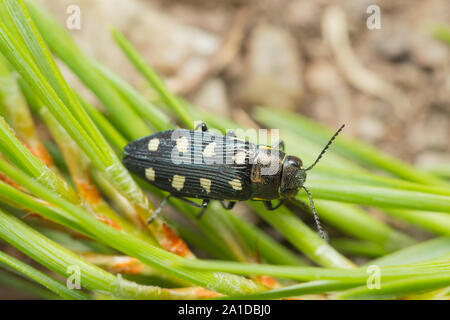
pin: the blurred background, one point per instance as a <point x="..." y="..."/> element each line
<point x="391" y="85"/>
<point x="384" y="76"/>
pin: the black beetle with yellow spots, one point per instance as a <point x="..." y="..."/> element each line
<point x="200" y="164"/>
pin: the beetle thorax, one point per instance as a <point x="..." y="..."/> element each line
<point x="266" y="173"/>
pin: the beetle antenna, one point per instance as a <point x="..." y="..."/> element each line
<point x="316" y="217"/>
<point x="326" y="147"/>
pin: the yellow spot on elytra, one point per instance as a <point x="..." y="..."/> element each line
<point x="178" y="182"/>
<point x="206" y="184"/>
<point x="235" y="184"/>
<point x="182" y="144"/>
<point x="210" y="150"/>
<point x="239" y="157"/>
<point x="150" y="174"/>
<point x="153" y="144"/>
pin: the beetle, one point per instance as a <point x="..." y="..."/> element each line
<point x="203" y="165"/>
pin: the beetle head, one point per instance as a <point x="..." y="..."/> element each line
<point x="292" y="177"/>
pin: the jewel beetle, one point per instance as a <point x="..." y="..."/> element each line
<point x="203" y="165"/>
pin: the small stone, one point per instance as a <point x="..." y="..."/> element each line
<point x="392" y="43"/>
<point x="430" y="54"/>
<point x="432" y="132"/>
<point x="273" y="77"/>
<point x="167" y="43"/>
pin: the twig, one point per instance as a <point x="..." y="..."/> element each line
<point x="335" y="31"/>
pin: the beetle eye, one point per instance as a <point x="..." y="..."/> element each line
<point x="296" y="162"/>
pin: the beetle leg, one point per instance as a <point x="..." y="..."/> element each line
<point x="279" y="145"/>
<point x="204" y="206"/>
<point x="268" y="205"/>
<point x="229" y="206"/>
<point x="158" y="210"/>
<point x="203" y="126"/>
<point x="192" y="203"/>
